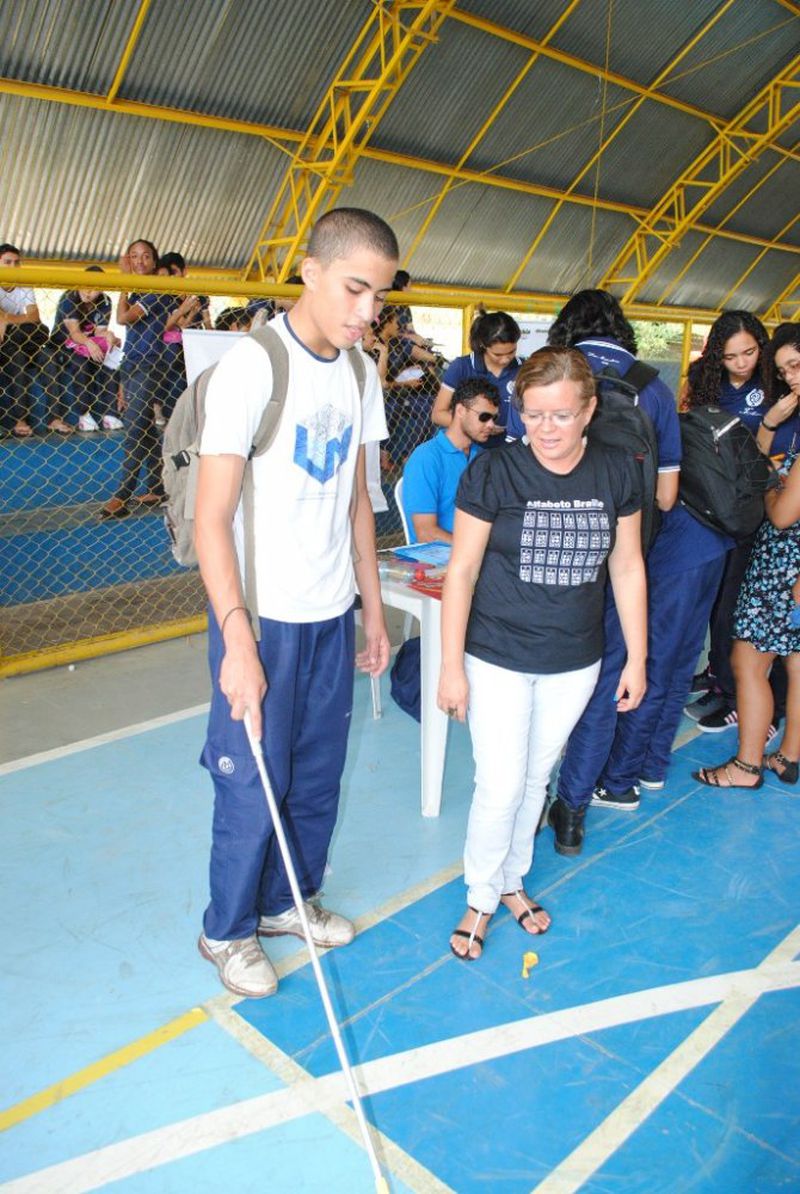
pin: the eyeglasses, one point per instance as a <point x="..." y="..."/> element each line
<point x="788" y="370"/>
<point x="561" y="418"/>
<point x="487" y="416"/>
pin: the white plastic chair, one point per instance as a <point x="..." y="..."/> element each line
<point x="408" y="621"/>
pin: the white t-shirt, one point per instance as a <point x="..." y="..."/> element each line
<point x="304" y="483"/>
<point x="16" y="301"/>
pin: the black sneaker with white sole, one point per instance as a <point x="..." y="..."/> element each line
<point x="726" y="718"/>
<point x="719" y="719"/>
<point x="702" y="682"/>
<point x="627" y="802"/>
<point x="709" y="703"/>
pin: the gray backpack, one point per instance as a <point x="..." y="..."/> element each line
<point x="180" y="461"/>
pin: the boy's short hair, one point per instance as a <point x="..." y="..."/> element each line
<point x="466" y="392"/>
<point x="170" y="259"/>
<point x="9" y="249"/>
<point x="340" y="232"/>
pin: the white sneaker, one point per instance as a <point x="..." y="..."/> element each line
<point x="243" y="966"/>
<point x="112" y="423"/>
<point x="328" y="929"/>
<point x="652" y="785"/>
<point x="87" y="423"/>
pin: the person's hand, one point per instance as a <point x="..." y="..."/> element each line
<point x="453" y="695"/>
<point x="780" y="411"/>
<point x="631" y="687"/>
<point x="374" y="659"/>
<point x="95" y="351"/>
<point x="242" y="680"/>
<point x="125" y="264"/>
<point x="122" y="405"/>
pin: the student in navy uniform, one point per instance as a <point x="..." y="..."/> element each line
<point x="188" y="311"/>
<point x="538" y="526"/>
<point x="493" y="340"/>
<point x="728" y="374"/>
<point x="763" y="626"/>
<point x="81" y="339"/>
<point x="609" y="756"/>
<point x="143" y="315"/>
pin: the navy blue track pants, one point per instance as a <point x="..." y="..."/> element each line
<point x="307" y="712"/>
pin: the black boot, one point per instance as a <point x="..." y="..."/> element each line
<point x="568" y="825"/>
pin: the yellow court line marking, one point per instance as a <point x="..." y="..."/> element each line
<point x="99" y="1069"/>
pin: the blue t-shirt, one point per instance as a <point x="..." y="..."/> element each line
<point x="143" y="342"/>
<point x="430" y="480"/>
<point x="682" y="542"/>
<point x="473" y="365"/>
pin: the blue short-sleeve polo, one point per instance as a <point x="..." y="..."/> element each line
<point x="430" y="480"/>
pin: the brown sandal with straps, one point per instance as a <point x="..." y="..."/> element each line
<point x="527" y="913"/>
<point x="710" y="775"/>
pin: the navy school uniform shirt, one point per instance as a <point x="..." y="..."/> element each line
<point x="143" y="342"/>
<point x="746" y="401"/>
<point x="472" y="365"/>
<point x="538" y="601"/>
<point x="88" y="315"/>
<point x="682" y="542"/>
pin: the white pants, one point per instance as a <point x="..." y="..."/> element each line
<point x="519" y="723"/>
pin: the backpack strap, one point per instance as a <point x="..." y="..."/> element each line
<point x="640" y="375"/>
<point x="268" y="339"/>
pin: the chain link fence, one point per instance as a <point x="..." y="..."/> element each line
<point x="85" y="558"/>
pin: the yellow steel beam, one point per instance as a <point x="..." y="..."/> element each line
<point x="786" y="308"/>
<point x="663" y="74"/>
<point x="385" y="51"/>
<point x="130" y="45"/>
<point x="736" y="145"/>
<point x="283" y="139"/>
<point x="673" y="283"/>
<point x="600" y="72"/>
<point x="487" y="124"/>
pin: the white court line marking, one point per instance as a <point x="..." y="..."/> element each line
<point x="623" y="1121"/>
<point x="73" y="748"/>
<point x="199" y="1133"/>
<point x="399" y="1163"/>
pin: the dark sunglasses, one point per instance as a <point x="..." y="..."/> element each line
<point x="486" y="416"/>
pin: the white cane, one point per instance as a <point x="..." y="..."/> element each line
<point x="381" y="1186"/>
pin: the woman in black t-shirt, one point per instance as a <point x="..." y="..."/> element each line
<point x="536" y="528"/>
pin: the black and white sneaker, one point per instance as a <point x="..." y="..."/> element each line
<point x="709" y="703"/>
<point x="702" y="682"/>
<point x="721" y="718"/>
<point x="623" y="801"/>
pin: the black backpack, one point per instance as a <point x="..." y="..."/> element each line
<point x="619" y="422"/>
<point x="724" y="476"/>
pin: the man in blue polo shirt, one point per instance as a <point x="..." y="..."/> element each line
<point x="434" y="469"/>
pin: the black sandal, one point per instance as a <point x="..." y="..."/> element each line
<point x="710" y="775"/>
<point x="527" y="913"/>
<point x="472" y="938"/>
<point x="791" y="769"/>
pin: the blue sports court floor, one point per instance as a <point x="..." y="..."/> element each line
<point x="653" y="1048"/>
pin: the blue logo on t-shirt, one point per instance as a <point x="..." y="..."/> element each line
<point x="321" y="448"/>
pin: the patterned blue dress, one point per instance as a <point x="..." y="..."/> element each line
<point x="765" y="598"/>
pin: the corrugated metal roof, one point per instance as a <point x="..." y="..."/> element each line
<point x="536" y="140"/>
<point x="576" y="250"/>
<point x="737" y="57"/>
<point x="269" y="63"/>
<point x="774" y="272"/>
<point x="80" y="183"/>
<point x="532" y="18"/>
<point x="641" y="36"/>
<point x="64" y="44"/>
<point x="449" y="94"/>
<point x="191" y="189"/>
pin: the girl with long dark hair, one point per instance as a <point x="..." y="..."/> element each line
<point x="493" y="357"/>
